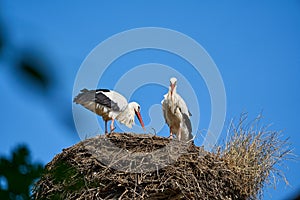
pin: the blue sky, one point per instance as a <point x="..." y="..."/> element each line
<point x="255" y="45"/>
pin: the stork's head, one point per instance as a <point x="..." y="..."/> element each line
<point x="136" y="108"/>
<point x="173" y="82"/>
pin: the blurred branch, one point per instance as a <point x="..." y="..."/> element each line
<point x="33" y="70"/>
<point x="1" y="41"/>
<point x="1" y="38"/>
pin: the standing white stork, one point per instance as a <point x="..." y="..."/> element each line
<point x="176" y="113"/>
<point x="110" y="105"/>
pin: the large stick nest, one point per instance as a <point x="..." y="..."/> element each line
<point x="123" y="166"/>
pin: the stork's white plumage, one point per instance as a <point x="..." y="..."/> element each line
<point x="110" y="105"/>
<point x="176" y="113"/>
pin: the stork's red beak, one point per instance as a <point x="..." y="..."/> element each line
<point x="138" y="114"/>
<point x="172" y="88"/>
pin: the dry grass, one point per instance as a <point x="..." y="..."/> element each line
<point x="254" y="152"/>
<point x="94" y="169"/>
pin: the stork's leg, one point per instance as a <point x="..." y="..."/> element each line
<point x="112" y="127"/>
<point x="179" y="134"/>
<point x="171" y="134"/>
<point x="105" y="127"/>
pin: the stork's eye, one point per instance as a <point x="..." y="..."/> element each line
<point x="139" y="108"/>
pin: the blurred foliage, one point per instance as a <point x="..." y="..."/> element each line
<point x="18" y="173"/>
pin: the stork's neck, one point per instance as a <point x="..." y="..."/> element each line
<point x="127" y="116"/>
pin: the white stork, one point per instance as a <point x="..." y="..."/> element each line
<point x="110" y="105"/>
<point x="176" y="113"/>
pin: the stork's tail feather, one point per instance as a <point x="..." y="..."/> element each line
<point x="84" y="90"/>
<point x="87" y="99"/>
<point x="84" y="96"/>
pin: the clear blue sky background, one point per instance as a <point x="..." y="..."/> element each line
<point x="255" y="44"/>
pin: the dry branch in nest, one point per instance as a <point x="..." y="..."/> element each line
<point x="139" y="166"/>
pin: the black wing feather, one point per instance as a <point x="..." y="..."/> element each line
<point x="102" y="99"/>
<point x="103" y="90"/>
<point x="188" y="123"/>
<point x="96" y="96"/>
